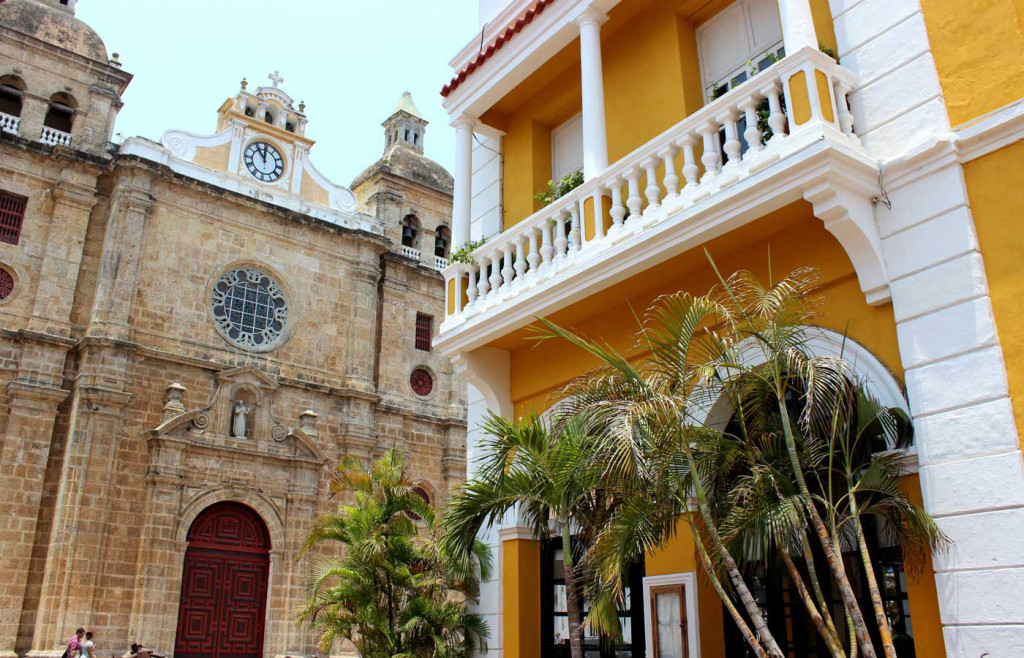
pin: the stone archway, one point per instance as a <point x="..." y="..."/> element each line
<point x="222" y="608"/>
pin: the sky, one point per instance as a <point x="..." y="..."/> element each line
<point x="349" y="60"/>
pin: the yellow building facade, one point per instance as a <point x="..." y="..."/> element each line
<point x="877" y="141"/>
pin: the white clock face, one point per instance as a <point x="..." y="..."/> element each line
<point x="264" y="162"/>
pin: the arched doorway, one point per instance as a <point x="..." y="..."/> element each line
<point x="224" y="585"/>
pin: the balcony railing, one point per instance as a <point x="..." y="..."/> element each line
<point x="562" y="236"/>
<point x="409" y="252"/>
<point x="440" y="263"/>
<point x="53" y="137"/>
<point x="9" y="124"/>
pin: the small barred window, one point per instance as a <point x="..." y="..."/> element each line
<point x="12" y="212"/>
<point x="421" y="382"/>
<point x="424" y="329"/>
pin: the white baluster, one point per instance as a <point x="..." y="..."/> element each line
<point x="561" y="241"/>
<point x="534" y="258"/>
<point x="752" y="133"/>
<point x="776" y="118"/>
<point x="652" y="191"/>
<point x="710" y="158"/>
<point x="520" y="264"/>
<point x="483" y="285"/>
<point x="495" y="273"/>
<point x="690" y="168"/>
<point x="634" y="202"/>
<point x="618" y="211"/>
<point x="547" y="251"/>
<point x="732" y="146"/>
<point x="598" y="214"/>
<point x="471" y="289"/>
<point x="575" y="230"/>
<point x="508" y="271"/>
<point x="843" y="105"/>
<point x="671" y="180"/>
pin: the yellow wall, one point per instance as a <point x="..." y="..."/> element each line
<point x="979" y="53"/>
<point x="921" y="594"/>
<point x="995" y="187"/>
<point x="213" y="157"/>
<point x="521" y="598"/>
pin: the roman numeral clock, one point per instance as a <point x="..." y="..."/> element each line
<point x="263" y="161"/>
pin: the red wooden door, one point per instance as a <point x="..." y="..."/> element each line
<point x="224" y="585"/>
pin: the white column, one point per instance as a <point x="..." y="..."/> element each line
<point x="797" y="25"/>
<point x="463" y="193"/>
<point x="595" y="139"/>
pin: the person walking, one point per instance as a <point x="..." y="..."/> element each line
<point x="74" y="644"/>
<point x="88" y="647"/>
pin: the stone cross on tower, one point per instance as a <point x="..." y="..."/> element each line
<point x="275" y="78"/>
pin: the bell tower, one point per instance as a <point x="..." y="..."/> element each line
<point x="405" y="126"/>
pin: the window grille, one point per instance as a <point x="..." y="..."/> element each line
<point x="424" y="329"/>
<point x="12" y="212"/>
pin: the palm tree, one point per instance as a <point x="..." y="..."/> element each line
<point x="541" y="472"/>
<point x="395" y="591"/>
<point x="641" y="412"/>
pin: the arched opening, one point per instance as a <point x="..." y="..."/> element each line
<point x="224" y="584"/>
<point x="249" y="111"/>
<point x="61" y="113"/>
<point x="410" y="231"/>
<point x="12" y="90"/>
<point x="289" y="126"/>
<point x="268" y="118"/>
<point x="442" y="241"/>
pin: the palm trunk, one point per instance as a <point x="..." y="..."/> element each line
<point x="835" y="562"/>
<point x="735" y="577"/>
<point x="716" y="582"/>
<point x="852" y="635"/>
<point x="819" y="594"/>
<point x="869" y="572"/>
<point x="572" y="606"/>
<point x="834" y="646"/>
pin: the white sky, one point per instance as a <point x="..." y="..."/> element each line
<point x="349" y="60"/>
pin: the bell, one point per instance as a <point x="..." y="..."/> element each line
<point x="408" y="233"/>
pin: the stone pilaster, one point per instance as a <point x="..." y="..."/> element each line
<point x="24" y="454"/>
<point x="119" y="267"/>
<point x="58" y="277"/>
<point x="78" y="539"/>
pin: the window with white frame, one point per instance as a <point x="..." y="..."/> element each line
<point x="742" y="39"/>
<point x="670" y="605"/>
<point x="567" y="148"/>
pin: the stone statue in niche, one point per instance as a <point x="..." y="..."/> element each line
<point x="240" y="413"/>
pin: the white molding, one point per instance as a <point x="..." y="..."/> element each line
<point x="823" y="161"/>
<point x="688" y="579"/>
<point x="341" y="213"/>
<point x="511" y="533"/>
<point x="991" y="132"/>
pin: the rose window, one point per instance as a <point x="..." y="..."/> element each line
<point x="6" y="284"/>
<point x="250" y="308"/>
<point x="421" y="382"/>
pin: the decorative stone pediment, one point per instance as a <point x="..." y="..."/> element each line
<point x="239" y="418"/>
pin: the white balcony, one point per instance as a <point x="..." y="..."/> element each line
<point x="560" y="255"/>
<point x="409" y="252"/>
<point x="9" y="124"/>
<point x="440" y="263"/>
<point x="53" y="137"/>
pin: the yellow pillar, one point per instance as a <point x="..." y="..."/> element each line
<point x="521" y="598"/>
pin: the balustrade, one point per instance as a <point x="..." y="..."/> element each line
<point x="737" y="134"/>
<point x="409" y="252"/>
<point x="53" y="137"/>
<point x="9" y="124"/>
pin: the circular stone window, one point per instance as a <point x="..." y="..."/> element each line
<point x="422" y="382"/>
<point x="6" y="284"/>
<point x="250" y="308"/>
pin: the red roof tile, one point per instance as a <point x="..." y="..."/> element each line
<point x="504" y="37"/>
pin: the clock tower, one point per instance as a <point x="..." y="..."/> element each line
<point x="261" y="150"/>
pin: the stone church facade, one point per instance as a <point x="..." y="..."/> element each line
<point x="192" y="333"/>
